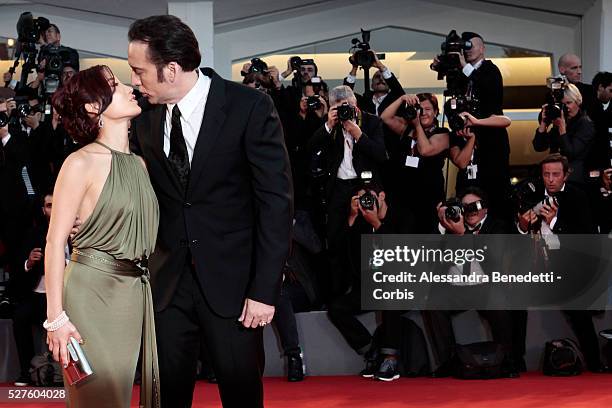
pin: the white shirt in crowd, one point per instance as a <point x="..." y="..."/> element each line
<point x="346" y="171"/>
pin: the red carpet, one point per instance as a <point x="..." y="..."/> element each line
<point x="532" y="390"/>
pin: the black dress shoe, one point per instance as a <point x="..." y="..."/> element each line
<point x="598" y="368"/>
<point x="295" y="368"/>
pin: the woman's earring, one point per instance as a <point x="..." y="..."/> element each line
<point x="100" y="123"/>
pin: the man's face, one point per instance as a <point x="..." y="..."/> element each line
<point x="47" y="206"/>
<point x="144" y="74"/>
<point x="379" y="84"/>
<point x="67" y="73"/>
<point x="554" y="177"/>
<point x="52" y="36"/>
<point x="572" y="69"/>
<point x="473" y="218"/>
<point x="604" y="94"/>
<point x="307" y="72"/>
<point x="476" y="53"/>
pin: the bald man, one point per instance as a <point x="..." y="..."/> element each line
<point x="570" y="65"/>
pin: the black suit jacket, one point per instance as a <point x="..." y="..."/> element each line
<point x="368" y="153"/>
<point x="234" y="221"/>
<point x="574" y="216"/>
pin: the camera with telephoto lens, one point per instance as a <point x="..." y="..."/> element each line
<point x="456" y="105"/>
<point x="56" y="59"/>
<point x="554" y="105"/>
<point x="527" y="197"/>
<point x="454" y="209"/>
<point x="449" y="63"/>
<point x="367" y="200"/>
<point x="409" y="112"/>
<point x="346" y="112"/>
<point x="29" y="29"/>
<point x="361" y="51"/>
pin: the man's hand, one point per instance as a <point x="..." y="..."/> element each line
<point x="289" y="70"/>
<point x="378" y="63"/>
<point x="273" y="72"/>
<point x="462" y="60"/>
<point x="332" y="118"/>
<point x="323" y="108"/>
<point x="34" y="258"/>
<point x="75" y="227"/>
<point x="560" y="123"/>
<point x="245" y="68"/>
<point x="543" y="126"/>
<point x="466" y="132"/>
<point x="354" y="212"/>
<point x="455" y="228"/>
<point x="353" y="129"/>
<point x="527" y="219"/>
<point x="254" y="313"/>
<point x="549" y="212"/>
<point x="33" y="120"/>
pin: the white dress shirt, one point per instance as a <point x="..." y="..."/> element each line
<point x="346" y="171"/>
<point x="5" y="139"/>
<point x="192" y="112"/>
<point x="470" y="68"/>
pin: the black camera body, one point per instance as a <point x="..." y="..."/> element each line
<point x="409" y="112"/>
<point x="313" y="103"/>
<point x="554" y="105"/>
<point x="29" y="28"/>
<point x="449" y="63"/>
<point x="297" y="62"/>
<point x="367" y="200"/>
<point x="454" y="209"/>
<point x="364" y="57"/>
<point x="456" y="105"/>
<point x="346" y="112"/>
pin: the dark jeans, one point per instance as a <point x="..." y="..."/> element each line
<point x="293" y="299"/>
<point x="342" y="312"/>
<point x="29" y="312"/>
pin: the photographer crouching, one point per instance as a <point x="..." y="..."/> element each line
<point x="571" y="133"/>
<point x="347" y="145"/>
<point x="417" y="160"/>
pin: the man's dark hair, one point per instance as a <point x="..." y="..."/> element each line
<point x="602" y="78"/>
<point x="169" y="39"/>
<point x="556" y="158"/>
<point x="477" y="191"/>
<point x="55" y="27"/>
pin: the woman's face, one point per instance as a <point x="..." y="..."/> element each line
<point x="428" y="114"/>
<point x="124" y="103"/>
<point x="572" y="107"/>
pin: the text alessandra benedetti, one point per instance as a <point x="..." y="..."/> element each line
<point x="494" y="277"/>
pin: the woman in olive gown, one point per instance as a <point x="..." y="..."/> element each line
<point x="102" y="298"/>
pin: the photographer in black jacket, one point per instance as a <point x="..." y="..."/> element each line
<point x="571" y="134"/>
<point x="489" y="163"/>
<point x="349" y="144"/>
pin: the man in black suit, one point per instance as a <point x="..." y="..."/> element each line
<point x="217" y="161"/>
<point x="385" y="87"/>
<point x="568" y="215"/>
<point x="348" y="148"/>
<point x="570" y="65"/>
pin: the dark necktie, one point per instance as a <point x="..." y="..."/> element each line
<point x="178" y="157"/>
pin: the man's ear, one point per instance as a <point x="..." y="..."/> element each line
<point x="172" y="70"/>
<point x="92" y="108"/>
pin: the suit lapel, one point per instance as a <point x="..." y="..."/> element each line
<point x="158" y="119"/>
<point x="214" y="117"/>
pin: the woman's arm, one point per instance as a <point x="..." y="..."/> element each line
<point x="395" y="123"/>
<point x="68" y="195"/>
<point x="461" y="157"/>
<point x="500" y="121"/>
<point x="432" y="146"/>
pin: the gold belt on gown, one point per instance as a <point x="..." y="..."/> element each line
<point x="149" y="389"/>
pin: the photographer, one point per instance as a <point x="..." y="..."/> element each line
<point x="571" y="135"/>
<point x="480" y="81"/>
<point x="570" y="66"/>
<point x="351" y="143"/>
<point x="417" y="153"/>
<point x="343" y="309"/>
<point x="473" y="218"/>
<point x="385" y="87"/>
<point x="563" y="212"/>
<point x="31" y="305"/>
